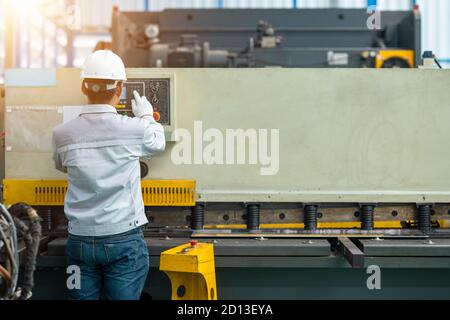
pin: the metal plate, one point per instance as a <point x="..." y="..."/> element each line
<point x="231" y="247"/>
<point x="301" y="233"/>
<point x="406" y="248"/>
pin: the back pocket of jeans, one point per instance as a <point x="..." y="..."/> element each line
<point x="74" y="249"/>
<point x="122" y="254"/>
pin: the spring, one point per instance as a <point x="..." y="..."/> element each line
<point x="49" y="219"/>
<point x="425" y="218"/>
<point x="253" y="217"/>
<point x="198" y="217"/>
<point x="367" y="217"/>
<point x="311" y="218"/>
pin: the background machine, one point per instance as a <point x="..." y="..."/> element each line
<point x="358" y="175"/>
<point x="310" y="38"/>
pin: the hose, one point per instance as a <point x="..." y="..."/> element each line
<point x="28" y="228"/>
<point x="5" y="274"/>
<point x="11" y="250"/>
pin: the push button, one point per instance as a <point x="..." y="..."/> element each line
<point x="193" y="243"/>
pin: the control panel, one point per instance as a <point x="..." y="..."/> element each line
<point x="157" y="92"/>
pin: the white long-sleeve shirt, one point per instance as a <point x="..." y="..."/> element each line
<point x="100" y="151"/>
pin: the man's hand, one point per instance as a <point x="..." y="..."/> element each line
<point x="141" y="106"/>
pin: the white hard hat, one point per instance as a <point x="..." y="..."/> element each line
<point x="105" y="65"/>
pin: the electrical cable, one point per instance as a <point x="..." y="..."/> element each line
<point x="438" y="63"/>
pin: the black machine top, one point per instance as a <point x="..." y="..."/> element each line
<point x="262" y="37"/>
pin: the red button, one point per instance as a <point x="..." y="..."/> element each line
<point x="156" y="116"/>
<point x="193" y="243"/>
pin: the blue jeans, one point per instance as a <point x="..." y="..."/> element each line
<point x="117" y="265"/>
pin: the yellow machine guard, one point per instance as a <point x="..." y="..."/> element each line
<point x="191" y="270"/>
<point x="156" y="193"/>
<point x="407" y="55"/>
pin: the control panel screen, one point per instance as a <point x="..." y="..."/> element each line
<point x="157" y="92"/>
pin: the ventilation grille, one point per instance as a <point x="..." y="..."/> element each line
<point x="168" y="193"/>
<point x="155" y="193"/>
<point x="49" y="195"/>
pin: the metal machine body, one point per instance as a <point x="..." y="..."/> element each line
<point x="307" y="38"/>
<point x="362" y="177"/>
<point x="383" y="151"/>
<point x="384" y="173"/>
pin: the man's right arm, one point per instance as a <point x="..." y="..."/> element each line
<point x="154" y="138"/>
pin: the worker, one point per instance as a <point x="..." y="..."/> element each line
<point x="100" y="151"/>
